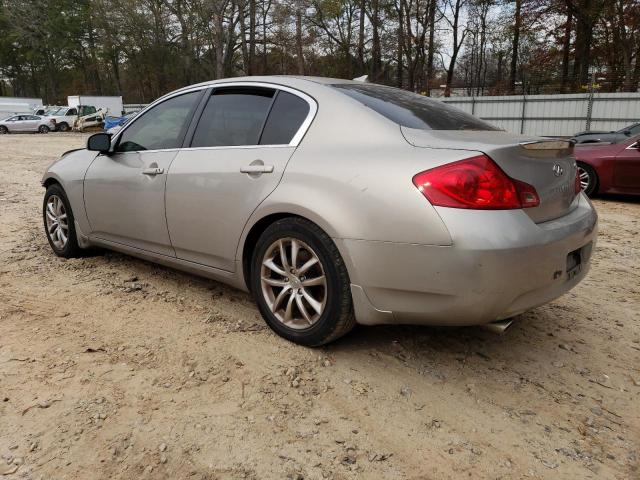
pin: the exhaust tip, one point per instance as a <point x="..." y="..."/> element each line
<point x="499" y="327"/>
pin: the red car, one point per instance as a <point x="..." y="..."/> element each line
<point x="610" y="168"/>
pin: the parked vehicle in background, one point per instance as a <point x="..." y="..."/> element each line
<point x="609" y="137"/>
<point x="91" y="120"/>
<point x="65" y="118"/>
<point x="26" y="123"/>
<point x="333" y="202"/>
<point x="110" y="105"/>
<point x="114" y="124"/>
<point x="18" y="105"/>
<point x="610" y="168"/>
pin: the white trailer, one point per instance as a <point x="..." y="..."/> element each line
<point x="11" y="105"/>
<point x="112" y="105"/>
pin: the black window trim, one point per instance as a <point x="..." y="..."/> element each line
<point x="295" y="141"/>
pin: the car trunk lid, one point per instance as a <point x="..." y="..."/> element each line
<point x="547" y="164"/>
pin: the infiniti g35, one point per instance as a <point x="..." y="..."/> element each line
<point x="332" y="202"/>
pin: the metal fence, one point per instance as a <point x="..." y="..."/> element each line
<point x="554" y="115"/>
<point x="133" y="107"/>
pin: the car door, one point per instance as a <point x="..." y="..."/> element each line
<point x="238" y="153"/>
<point x="31" y="123"/>
<point x="124" y="191"/>
<point x="626" y="166"/>
<point x="20" y="124"/>
<point x="13" y="123"/>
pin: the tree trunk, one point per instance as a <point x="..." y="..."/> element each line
<point x="515" y="45"/>
<point x="432" y="48"/>
<point x="376" y="54"/>
<point x="361" y="37"/>
<point x="400" y="44"/>
<point x="299" y="54"/>
<point x="219" y="43"/>
<point x="252" y="38"/>
<point x="566" y="47"/>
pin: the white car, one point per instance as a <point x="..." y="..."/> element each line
<point x="26" y="123"/>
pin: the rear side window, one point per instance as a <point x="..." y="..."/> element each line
<point x="162" y="127"/>
<point x="412" y="110"/>
<point x="285" y="119"/>
<point x="233" y="117"/>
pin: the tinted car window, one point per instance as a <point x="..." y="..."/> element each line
<point x="412" y="110"/>
<point x="161" y="127"/>
<point x="286" y="116"/>
<point x="233" y="117"/>
<point x="72" y="111"/>
<point x="635" y="129"/>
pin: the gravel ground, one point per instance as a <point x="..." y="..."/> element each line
<point x="111" y="367"/>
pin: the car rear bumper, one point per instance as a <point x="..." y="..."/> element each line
<point x="500" y="264"/>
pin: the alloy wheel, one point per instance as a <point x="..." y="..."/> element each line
<point x="57" y="224"/>
<point x="585" y="179"/>
<point x="293" y="283"/>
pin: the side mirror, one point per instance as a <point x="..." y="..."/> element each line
<point x="627" y="133"/>
<point x="99" y="142"/>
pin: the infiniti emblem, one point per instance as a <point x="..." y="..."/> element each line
<point x="558" y="170"/>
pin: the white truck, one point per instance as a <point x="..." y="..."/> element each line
<point x="12" y="105"/>
<point x="111" y="105"/>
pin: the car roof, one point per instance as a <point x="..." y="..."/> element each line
<point x="284" y="80"/>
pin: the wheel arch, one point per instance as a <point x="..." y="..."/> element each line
<point x="50" y="180"/>
<point x="261" y="222"/>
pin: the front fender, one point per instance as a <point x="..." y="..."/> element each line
<point x="69" y="171"/>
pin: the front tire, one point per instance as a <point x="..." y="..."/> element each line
<point x="3" y="130"/>
<point x="43" y="129"/>
<point x="301" y="284"/>
<point x="588" y="179"/>
<point x="63" y="127"/>
<point x="59" y="223"/>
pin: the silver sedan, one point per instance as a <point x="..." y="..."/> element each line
<point x="26" y="123"/>
<point x="333" y="202"/>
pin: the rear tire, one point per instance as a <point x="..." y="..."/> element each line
<point x="3" y="130"/>
<point x="588" y="179"/>
<point x="44" y="129"/>
<point x="59" y="225"/>
<point x="63" y="127"/>
<point x="310" y="306"/>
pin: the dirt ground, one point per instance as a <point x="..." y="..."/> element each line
<point x="111" y="367"/>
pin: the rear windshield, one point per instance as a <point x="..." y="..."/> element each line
<point x="412" y="110"/>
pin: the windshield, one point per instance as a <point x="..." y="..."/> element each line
<point x="632" y="129"/>
<point x="412" y="110"/>
<point x="53" y="111"/>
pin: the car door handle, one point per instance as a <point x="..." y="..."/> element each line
<point x="257" y="169"/>
<point x="153" y="171"/>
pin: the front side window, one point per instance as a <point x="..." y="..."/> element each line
<point x="72" y="111"/>
<point x="233" y="117"/>
<point x="162" y="127"/>
<point x="411" y="110"/>
<point x="286" y="117"/>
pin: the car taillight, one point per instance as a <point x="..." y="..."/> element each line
<point x="577" y="188"/>
<point x="476" y="183"/>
